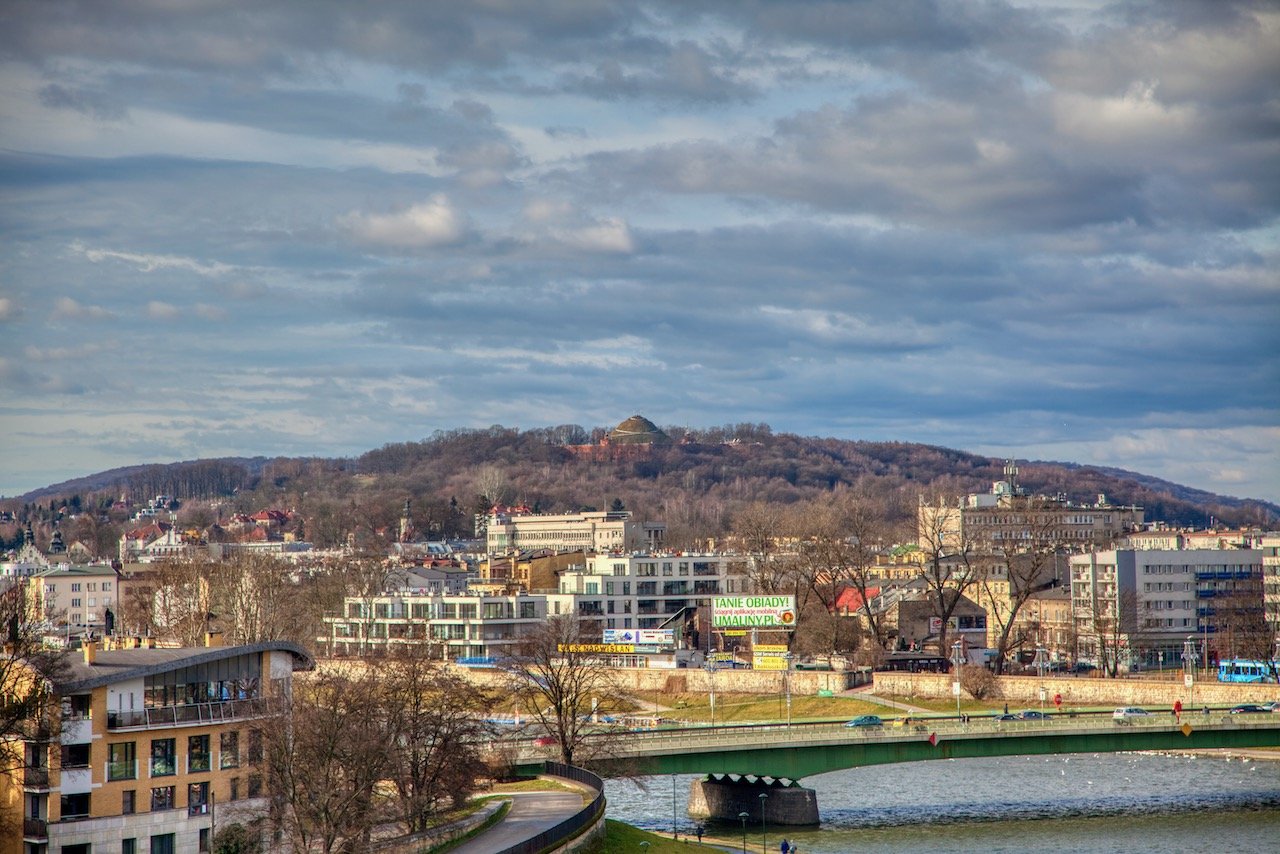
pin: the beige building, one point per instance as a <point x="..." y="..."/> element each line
<point x="515" y="529"/>
<point x="148" y="743"/>
<point x="1009" y="520"/>
<point x="76" y="598"/>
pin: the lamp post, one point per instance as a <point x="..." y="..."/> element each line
<point x="711" y="675"/>
<point x="957" y="659"/>
<point x="1041" y="662"/>
<point x="787" y="677"/>
<point x="764" y="833"/>
<point x="675" y="834"/>
<point x="743" y="816"/>
<point x="1189" y="664"/>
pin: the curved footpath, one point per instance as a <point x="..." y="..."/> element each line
<point x="530" y="814"/>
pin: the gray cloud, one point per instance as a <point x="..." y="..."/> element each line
<point x="1037" y="226"/>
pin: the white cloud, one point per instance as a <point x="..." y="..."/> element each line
<point x="610" y="236"/>
<point x="150" y="262"/>
<point x="157" y="310"/>
<point x="425" y="225"/>
<point x="66" y="307"/>
<point x="9" y="310"/>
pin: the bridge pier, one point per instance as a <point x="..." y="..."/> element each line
<point x="721" y="797"/>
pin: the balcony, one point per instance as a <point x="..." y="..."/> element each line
<point x="124" y="770"/>
<point x="35" y="778"/>
<point x="35" y="829"/>
<point x="194" y="713"/>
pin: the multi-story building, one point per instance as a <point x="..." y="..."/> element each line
<point x="76" y="598"/>
<point x="1270" y="547"/>
<point x="518" y="529"/>
<point x="1008" y="519"/>
<point x="458" y="627"/>
<point x="651" y="590"/>
<point x="148" y="741"/>
<point x="1140" y="606"/>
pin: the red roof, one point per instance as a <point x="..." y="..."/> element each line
<point x="850" y="599"/>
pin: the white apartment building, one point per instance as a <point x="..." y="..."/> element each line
<point x="467" y="628"/>
<point x="513" y="529"/>
<point x="1270" y="547"/>
<point x="650" y="591"/>
<point x="1146" y="603"/>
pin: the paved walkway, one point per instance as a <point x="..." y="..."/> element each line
<point x="531" y="813"/>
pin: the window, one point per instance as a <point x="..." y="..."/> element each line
<point x="235" y="788"/>
<point x="204" y="839"/>
<point x="93" y="587"/>
<point x="75" y="603"/>
<point x="163" y="752"/>
<point x="128" y="846"/>
<point x="198" y="798"/>
<point x="75" y="588"/>
<point x="255" y="745"/>
<point x="162" y="844"/>
<point x="106" y="585"/>
<point x="255" y="785"/>
<point x="162" y="798"/>
<point x="128" y="802"/>
<point x="229" y="750"/>
<point x="198" y="754"/>
<point x="75" y="806"/>
<point x="122" y="761"/>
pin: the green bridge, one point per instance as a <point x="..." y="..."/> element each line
<point x="774" y="758"/>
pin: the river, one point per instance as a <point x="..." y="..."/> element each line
<point x="1131" y="802"/>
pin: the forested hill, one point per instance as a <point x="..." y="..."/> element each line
<point x="695" y="483"/>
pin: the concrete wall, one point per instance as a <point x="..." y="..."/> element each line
<point x="1025" y="690"/>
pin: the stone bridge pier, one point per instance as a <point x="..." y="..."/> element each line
<point x="723" y="797"/>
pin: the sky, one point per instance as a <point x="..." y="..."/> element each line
<point x="1045" y="230"/>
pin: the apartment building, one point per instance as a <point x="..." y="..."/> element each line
<point x="650" y="590"/>
<point x="148" y="742"/>
<point x="519" y="529"/>
<point x="1007" y="519"/>
<point x="1145" y="604"/>
<point x="1270" y="548"/>
<point x="77" y="597"/>
<point x="462" y="627"/>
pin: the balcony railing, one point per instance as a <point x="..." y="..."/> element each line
<point x="197" y="762"/>
<point x="192" y="713"/>
<point x="124" y="770"/>
<point x="35" y="777"/>
<point x="35" y="828"/>
<point x="198" y="809"/>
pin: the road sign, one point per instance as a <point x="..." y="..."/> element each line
<point x="1188" y="679"/>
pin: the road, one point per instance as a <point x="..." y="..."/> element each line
<point x="531" y="813"/>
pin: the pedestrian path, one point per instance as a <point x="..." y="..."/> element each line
<point x="530" y="814"/>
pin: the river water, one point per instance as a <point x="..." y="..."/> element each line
<point x="1128" y="802"/>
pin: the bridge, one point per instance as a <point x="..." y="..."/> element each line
<point x="773" y="758"/>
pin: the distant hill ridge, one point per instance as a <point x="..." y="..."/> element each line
<point x="734" y="464"/>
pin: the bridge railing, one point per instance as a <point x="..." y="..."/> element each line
<point x="765" y="735"/>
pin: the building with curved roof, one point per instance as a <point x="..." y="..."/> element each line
<point x="638" y="430"/>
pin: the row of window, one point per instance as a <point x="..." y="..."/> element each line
<point x="90" y="587"/>
<point x="122" y="758"/>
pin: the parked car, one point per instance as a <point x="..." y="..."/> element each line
<point x="1128" y="712"/>
<point x="1006" y="717"/>
<point x="546" y="740"/>
<point x="1248" y="709"/>
<point x="1272" y="706"/>
<point x="1032" y="715"/>
<point x="866" y="720"/>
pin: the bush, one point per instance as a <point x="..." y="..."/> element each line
<point x="980" y="682"/>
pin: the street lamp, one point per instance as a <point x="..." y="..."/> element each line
<point x="675" y="833"/>
<point x="957" y="659"/>
<point x="711" y="674"/>
<point x="743" y="816"/>
<point x="764" y="834"/>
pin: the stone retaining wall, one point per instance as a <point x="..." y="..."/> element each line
<point x="1025" y="690"/>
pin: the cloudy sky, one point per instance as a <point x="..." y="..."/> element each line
<point x="1042" y="229"/>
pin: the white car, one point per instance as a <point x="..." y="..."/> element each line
<point x="1128" y="712"/>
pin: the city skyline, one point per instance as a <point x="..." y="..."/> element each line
<point x="1034" y="230"/>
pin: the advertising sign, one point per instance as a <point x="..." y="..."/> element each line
<point x="747" y="612"/>
<point x="603" y="648"/>
<point x="768" y="661"/>
<point x="653" y="637"/>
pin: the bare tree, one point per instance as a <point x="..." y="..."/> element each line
<point x="558" y="685"/>
<point x="952" y="565"/>
<point x="28" y="670"/>
<point x="325" y="757"/>
<point x="436" y="724"/>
